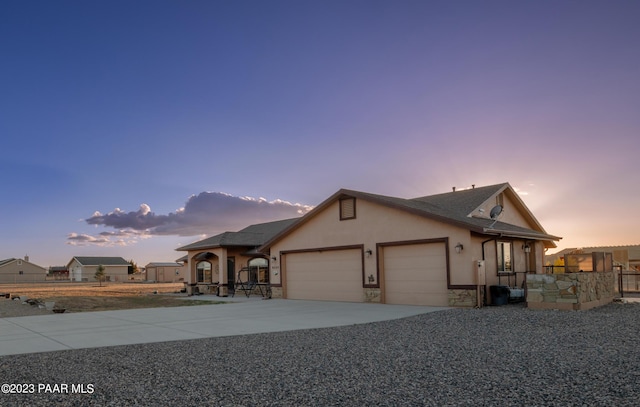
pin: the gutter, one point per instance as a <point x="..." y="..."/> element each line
<point x="534" y="236"/>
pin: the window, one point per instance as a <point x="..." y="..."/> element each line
<point x="203" y="272"/>
<point x="347" y="208"/>
<point x="504" y="258"/>
<point x="259" y="270"/>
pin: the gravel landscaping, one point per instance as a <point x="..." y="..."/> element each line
<point x="16" y="308"/>
<point x="495" y="356"/>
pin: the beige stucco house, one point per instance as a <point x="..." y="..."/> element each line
<point x="216" y="263"/>
<point x="83" y="268"/>
<point x="166" y="272"/>
<point x="439" y="250"/>
<point x="21" y="271"/>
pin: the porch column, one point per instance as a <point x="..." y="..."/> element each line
<point x="223" y="290"/>
<point x="191" y="266"/>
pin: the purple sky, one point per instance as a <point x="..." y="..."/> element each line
<point x="130" y="128"/>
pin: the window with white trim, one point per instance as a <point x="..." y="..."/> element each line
<point x="259" y="270"/>
<point x="203" y="272"/>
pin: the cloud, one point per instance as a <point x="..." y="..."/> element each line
<point x="207" y="213"/>
<point x="75" y="239"/>
<point x="107" y="239"/>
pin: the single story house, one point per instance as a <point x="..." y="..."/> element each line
<point x="167" y="272"/>
<point x="215" y="263"/>
<point x="624" y="257"/>
<point x="83" y="268"/>
<point x="440" y="250"/>
<point x="21" y="271"/>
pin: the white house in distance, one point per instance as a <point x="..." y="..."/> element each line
<point x="83" y="268"/>
<point x="21" y="271"/>
<point x="168" y="272"/>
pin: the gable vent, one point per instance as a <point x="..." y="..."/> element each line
<point x="347" y="208"/>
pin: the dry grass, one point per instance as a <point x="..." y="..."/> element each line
<point x="81" y="297"/>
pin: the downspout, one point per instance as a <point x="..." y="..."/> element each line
<point x="483" y="243"/>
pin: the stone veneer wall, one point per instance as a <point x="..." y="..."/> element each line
<point x="276" y="292"/>
<point x="463" y="298"/>
<point x="570" y="291"/>
<point x="372" y="295"/>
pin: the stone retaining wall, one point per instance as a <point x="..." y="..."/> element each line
<point x="570" y="291"/>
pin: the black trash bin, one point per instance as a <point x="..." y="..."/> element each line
<point x="499" y="294"/>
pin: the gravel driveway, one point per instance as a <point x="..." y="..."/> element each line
<point x="495" y="356"/>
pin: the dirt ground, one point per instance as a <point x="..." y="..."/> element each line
<point x="83" y="297"/>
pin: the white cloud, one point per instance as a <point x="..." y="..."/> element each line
<point x="107" y="238"/>
<point x="207" y="213"/>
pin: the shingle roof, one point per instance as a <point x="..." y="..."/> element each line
<point x="105" y="261"/>
<point x="168" y="264"/>
<point x="463" y="202"/>
<point x="251" y="236"/>
<point x="452" y="207"/>
<point x="5" y="261"/>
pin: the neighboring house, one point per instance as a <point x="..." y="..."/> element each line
<point x="439" y="250"/>
<point x="168" y="272"/>
<point x="21" y="271"/>
<point x="58" y="272"/>
<point x="625" y="257"/>
<point x="213" y="263"/>
<point x="83" y="268"/>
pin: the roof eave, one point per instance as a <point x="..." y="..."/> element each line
<point x="547" y="239"/>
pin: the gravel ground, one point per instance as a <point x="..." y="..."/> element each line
<point x="495" y="356"/>
<point x="15" y="308"/>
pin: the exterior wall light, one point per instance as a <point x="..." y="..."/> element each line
<point x="526" y="248"/>
<point x="274" y="258"/>
<point x="459" y="247"/>
<point x="368" y="252"/>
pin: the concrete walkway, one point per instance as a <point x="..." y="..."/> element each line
<point x="241" y="316"/>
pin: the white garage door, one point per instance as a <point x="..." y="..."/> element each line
<point x="333" y="275"/>
<point x="416" y="274"/>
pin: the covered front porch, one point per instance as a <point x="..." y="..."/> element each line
<point x="221" y="271"/>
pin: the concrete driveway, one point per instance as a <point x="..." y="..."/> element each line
<point x="241" y="316"/>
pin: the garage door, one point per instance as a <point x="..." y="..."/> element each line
<point x="416" y="274"/>
<point x="333" y="275"/>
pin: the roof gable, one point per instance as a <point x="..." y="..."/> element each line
<point x="6" y="262"/>
<point x="454" y="208"/>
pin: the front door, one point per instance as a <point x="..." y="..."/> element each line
<point x="530" y="258"/>
<point x="231" y="273"/>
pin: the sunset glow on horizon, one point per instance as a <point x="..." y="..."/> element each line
<point x="134" y="128"/>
